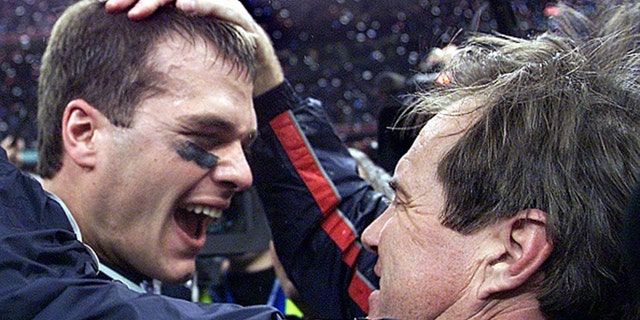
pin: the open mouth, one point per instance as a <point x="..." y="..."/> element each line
<point x="194" y="219"/>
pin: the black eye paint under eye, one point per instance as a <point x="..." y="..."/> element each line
<point x="191" y="152"/>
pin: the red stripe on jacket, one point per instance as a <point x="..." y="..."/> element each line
<point x="333" y="223"/>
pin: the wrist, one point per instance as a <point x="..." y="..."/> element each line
<point x="273" y="102"/>
<point x="267" y="82"/>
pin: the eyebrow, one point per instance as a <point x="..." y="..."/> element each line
<point x="205" y="122"/>
<point x="397" y="187"/>
<point x="393" y="184"/>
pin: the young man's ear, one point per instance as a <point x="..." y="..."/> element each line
<point x="80" y="121"/>
<point x="522" y="247"/>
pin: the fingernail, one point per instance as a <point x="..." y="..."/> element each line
<point x="188" y="5"/>
<point x="134" y="11"/>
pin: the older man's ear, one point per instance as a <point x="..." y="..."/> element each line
<point x="520" y="247"/>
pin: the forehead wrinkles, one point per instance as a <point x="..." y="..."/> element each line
<point x="174" y="52"/>
<point x="178" y="64"/>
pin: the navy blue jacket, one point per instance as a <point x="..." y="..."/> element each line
<point x="316" y="203"/>
<point x="46" y="273"/>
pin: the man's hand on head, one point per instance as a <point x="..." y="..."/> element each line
<point x="269" y="72"/>
<point x="136" y="9"/>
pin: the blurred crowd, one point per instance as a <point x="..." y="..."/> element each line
<point x="361" y="58"/>
<point x="331" y="50"/>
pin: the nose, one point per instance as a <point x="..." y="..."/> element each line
<point x="371" y="235"/>
<point x="232" y="169"/>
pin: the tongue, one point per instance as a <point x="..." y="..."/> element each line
<point x="189" y="223"/>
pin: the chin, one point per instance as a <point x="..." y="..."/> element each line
<point x="179" y="273"/>
<point x="185" y="278"/>
<point x="178" y="279"/>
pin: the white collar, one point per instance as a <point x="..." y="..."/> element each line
<point x="117" y="276"/>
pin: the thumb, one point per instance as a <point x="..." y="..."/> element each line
<point x="140" y="9"/>
<point x="228" y="10"/>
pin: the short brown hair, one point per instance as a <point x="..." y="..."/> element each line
<point x="559" y="132"/>
<point x="104" y="59"/>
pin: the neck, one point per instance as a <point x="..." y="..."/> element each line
<point x="516" y="305"/>
<point x="523" y="306"/>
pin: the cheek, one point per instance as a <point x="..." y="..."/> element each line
<point x="422" y="251"/>
<point x="403" y="250"/>
<point x="425" y="270"/>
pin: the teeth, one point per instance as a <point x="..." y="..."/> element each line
<point x="211" y="212"/>
<point x="207" y="211"/>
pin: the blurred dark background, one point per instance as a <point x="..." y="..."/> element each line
<point x="331" y="49"/>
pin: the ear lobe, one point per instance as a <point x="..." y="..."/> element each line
<point x="525" y="248"/>
<point x="80" y="121"/>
